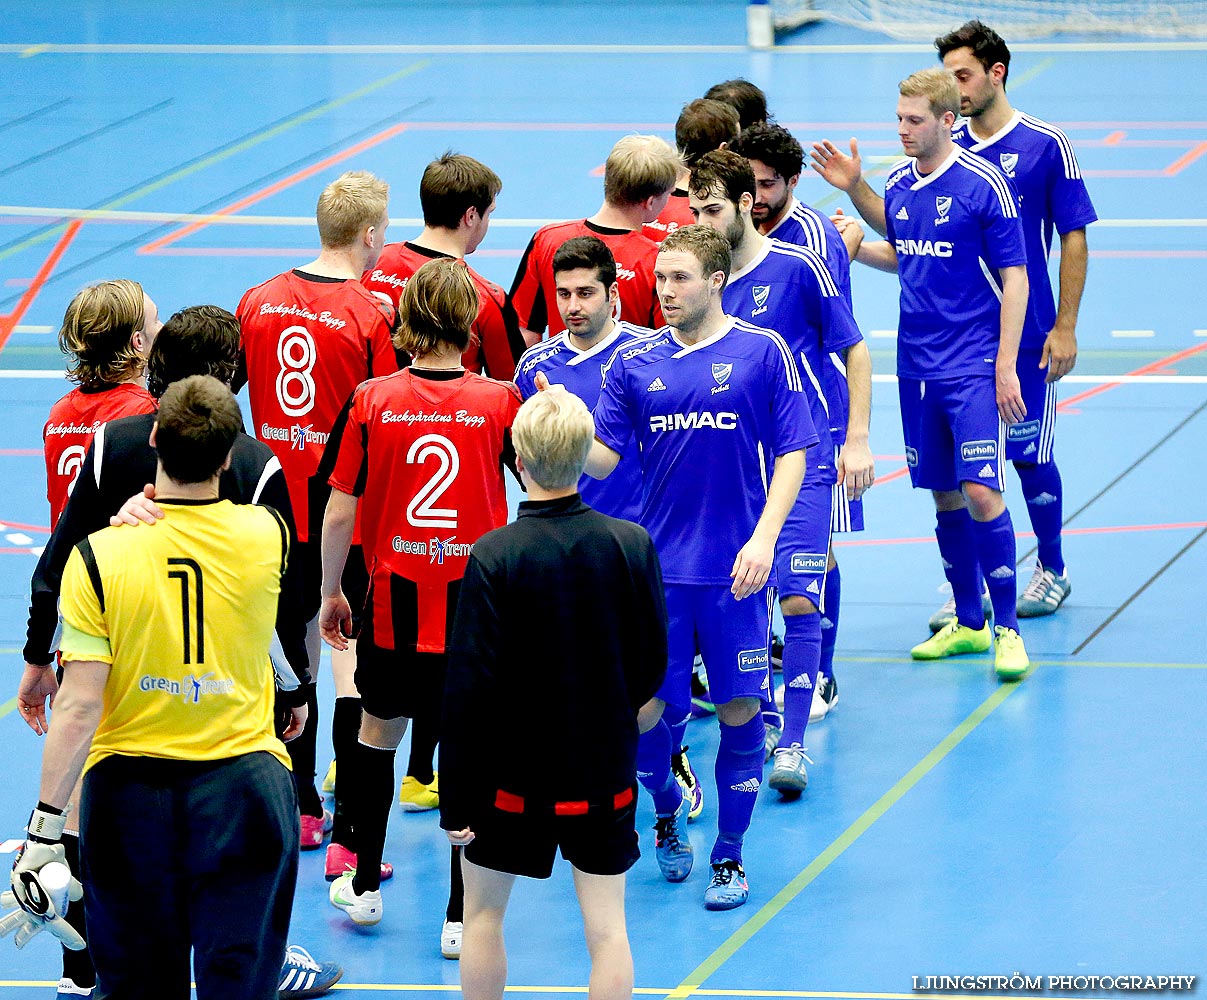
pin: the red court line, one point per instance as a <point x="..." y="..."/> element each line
<point x="1116" y="529"/>
<point x="23" y="527"/>
<point x="9" y="323"/>
<point x="1186" y="159"/>
<point x="277" y="186"/>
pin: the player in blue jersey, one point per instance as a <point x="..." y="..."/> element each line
<point x="955" y="239"/>
<point x="1039" y="158"/>
<point x="788" y="289"/>
<point x="584" y="274"/>
<point x="712" y="401"/>
<point x="777" y="159"/>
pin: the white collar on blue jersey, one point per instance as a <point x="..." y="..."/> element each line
<point x="608" y="342"/>
<point x="792" y="206"/>
<point x="1001" y="133"/>
<point x="938" y="172"/>
<point x="755" y="261"/>
<point x="686" y="349"/>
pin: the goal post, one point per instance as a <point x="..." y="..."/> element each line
<point x="922" y="20"/>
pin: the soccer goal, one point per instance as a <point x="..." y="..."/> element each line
<point x="922" y="20"/>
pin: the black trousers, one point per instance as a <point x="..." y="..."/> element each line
<point x="184" y="856"/>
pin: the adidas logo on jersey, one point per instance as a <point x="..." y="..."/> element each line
<point x="946" y="564"/>
<point x="1042" y="500"/>
<point x="802" y="681"/>
<point x="1030" y="449"/>
<point x="902" y="214"/>
<point x="1002" y="573"/>
<point x="986" y="471"/>
<point x="813" y="588"/>
<point x="749" y="785"/>
<point x="656" y="386"/>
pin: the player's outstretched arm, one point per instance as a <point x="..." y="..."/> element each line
<point x="846" y="173"/>
<point x="851" y="232"/>
<point x="856" y="467"/>
<point x="1060" y="347"/>
<point x="335" y="614"/>
<point x="601" y="459"/>
<point x="753" y="564"/>
<point x="1010" y="403"/>
<point x="878" y="254"/>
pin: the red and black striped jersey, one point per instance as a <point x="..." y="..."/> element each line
<point x="535" y="298"/>
<point x="495" y="343"/>
<point x="308" y="342"/>
<point x="676" y="215"/>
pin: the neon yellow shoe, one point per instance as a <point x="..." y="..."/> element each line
<point x="329" y="780"/>
<point x="953" y="639"/>
<point x="417" y="798"/>
<point x="1010" y="661"/>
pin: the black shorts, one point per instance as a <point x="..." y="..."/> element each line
<point x="601" y="841"/>
<point x="399" y="683"/>
<point x="355" y="580"/>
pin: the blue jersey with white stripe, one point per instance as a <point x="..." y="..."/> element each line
<point x="953" y="229"/>
<point x="1040" y="160"/>
<point x="710" y="419"/>
<point x="803" y="226"/>
<point x="788" y="289"/>
<point x="581" y="372"/>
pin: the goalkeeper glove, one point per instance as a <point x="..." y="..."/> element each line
<point x="42" y="886"/>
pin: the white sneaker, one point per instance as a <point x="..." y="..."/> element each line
<point x="1044" y="594"/>
<point x="450" y="939"/>
<point x="364" y="908"/>
<point x="825" y="697"/>
<point x="788" y="775"/>
<point x="947" y="613"/>
<point x="68" y="988"/>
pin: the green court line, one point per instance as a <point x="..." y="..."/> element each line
<point x="852" y="833"/>
<point x="8" y="706"/>
<point x="1107" y="664"/>
<point x="246" y="144"/>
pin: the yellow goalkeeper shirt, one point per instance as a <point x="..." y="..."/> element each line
<point x="184" y="611"/>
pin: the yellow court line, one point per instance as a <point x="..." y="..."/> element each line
<point x="246" y="144"/>
<point x="1107" y="664"/>
<point x="771" y="909"/>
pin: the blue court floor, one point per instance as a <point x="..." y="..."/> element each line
<point x="952" y="826"/>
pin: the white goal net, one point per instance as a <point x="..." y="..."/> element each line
<point x="922" y="20"/>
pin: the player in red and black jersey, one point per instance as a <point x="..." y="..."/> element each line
<point x="458" y="195"/>
<point x="639" y="175"/>
<point x="703" y="126"/>
<point x="107" y="333"/>
<point x="310" y="337"/>
<point x="421" y="455"/>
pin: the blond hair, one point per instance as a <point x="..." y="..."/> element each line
<point x="552" y="433"/>
<point x="708" y="246"/>
<point x="938" y="86"/>
<point x="348" y="206"/>
<point x="438" y="306"/>
<point x="98" y="331"/>
<point x="640" y="167"/>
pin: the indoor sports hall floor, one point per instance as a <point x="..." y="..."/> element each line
<point x="953" y="826"/>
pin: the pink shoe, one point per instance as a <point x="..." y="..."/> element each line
<point x="340" y="860"/>
<point x="313" y="828"/>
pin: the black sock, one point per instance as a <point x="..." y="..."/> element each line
<point x="373" y="781"/>
<point x="345" y="726"/>
<point x="77" y="965"/>
<point x="424" y="735"/>
<point x="302" y="752"/>
<point x="455" y="913"/>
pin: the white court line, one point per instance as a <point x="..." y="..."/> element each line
<point x="123" y="215"/>
<point x="1200" y="333"/>
<point x="34" y="329"/>
<point x="30" y="49"/>
<point x="51" y="373"/>
<point x="9" y="846"/>
<point x="1133" y="334"/>
<point x="885" y="334"/>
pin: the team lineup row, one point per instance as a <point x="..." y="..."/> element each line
<point x="704" y="315"/>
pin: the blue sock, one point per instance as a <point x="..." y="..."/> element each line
<point x="676" y="722"/>
<point x="1042" y="489"/>
<point x="654" y="768"/>
<point x="996" y="551"/>
<point x="831" y="599"/>
<point x="739" y="772"/>
<point x="958" y="549"/>
<point x="802" y="651"/>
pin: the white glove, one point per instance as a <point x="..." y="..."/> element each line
<point x="42" y="889"/>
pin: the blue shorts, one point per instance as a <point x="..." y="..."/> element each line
<point x="804" y="544"/>
<point x="1031" y="439"/>
<point x="845" y="515"/>
<point x="731" y="637"/>
<point x="953" y="433"/>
